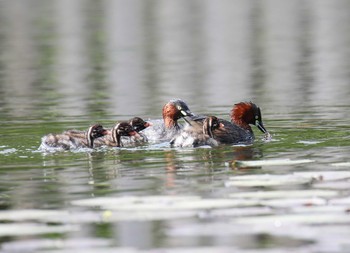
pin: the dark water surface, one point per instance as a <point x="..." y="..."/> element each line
<point x="67" y="64"/>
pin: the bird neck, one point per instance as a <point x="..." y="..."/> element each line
<point x="89" y="138"/>
<point x="116" y="137"/>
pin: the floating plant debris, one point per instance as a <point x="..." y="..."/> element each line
<point x="22" y="229"/>
<point x="266" y="180"/>
<point x="283" y="194"/>
<point x="272" y="162"/>
<point x="324" y="175"/>
<point x="162" y="203"/>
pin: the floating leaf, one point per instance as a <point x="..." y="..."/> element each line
<point x="103" y="201"/>
<point x="163" y="203"/>
<point x="20" y="229"/>
<point x="309" y="142"/>
<point x="324" y="175"/>
<point x="274" y="162"/>
<point x="340" y="201"/>
<point x="266" y="180"/>
<point x="236" y="212"/>
<point x="335" y="185"/>
<point x="208" y="249"/>
<point x="344" y="164"/>
<point x="145" y="215"/>
<point x="7" y="151"/>
<point x="308" y="218"/>
<point x="320" y="209"/>
<point x="292" y="202"/>
<point x="284" y="194"/>
<point x="210" y="229"/>
<point x="196" y="204"/>
<point x="30" y="214"/>
<point x="34" y="245"/>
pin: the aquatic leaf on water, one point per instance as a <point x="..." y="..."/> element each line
<point x="309" y="142"/>
<point x="8" y="151"/>
<point x="340" y="201"/>
<point x="34" y="245"/>
<point x="286" y="198"/>
<point x="30" y="214"/>
<point x="266" y="180"/>
<point x="146" y="215"/>
<point x="199" y="204"/>
<point x="324" y="175"/>
<point x="99" y="250"/>
<point x="20" y="229"/>
<point x="236" y="212"/>
<point x="288" y="219"/>
<point x="320" y="209"/>
<point x="334" y="185"/>
<point x="164" y="203"/>
<point x="343" y="164"/>
<point x="288" y="179"/>
<point x="292" y="202"/>
<point x="284" y="194"/>
<point x="202" y="249"/>
<point x="272" y="162"/>
<point x="102" y="201"/>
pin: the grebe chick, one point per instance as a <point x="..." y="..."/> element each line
<point x="139" y="125"/>
<point x="113" y="139"/>
<point x="73" y="139"/>
<point x="198" y="133"/>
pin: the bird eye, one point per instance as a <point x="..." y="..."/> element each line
<point x="179" y="107"/>
<point x="256" y="117"/>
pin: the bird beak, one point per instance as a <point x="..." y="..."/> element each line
<point x="105" y="132"/>
<point x="186" y="113"/>
<point x="261" y="127"/>
<point x="134" y="133"/>
<point x="221" y="125"/>
<point x="188" y="122"/>
<point x="147" y="124"/>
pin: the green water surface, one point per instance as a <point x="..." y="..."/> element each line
<point x="68" y="64"/>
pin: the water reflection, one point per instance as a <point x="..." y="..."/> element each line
<point x="123" y="170"/>
<point x="97" y="94"/>
<point x="81" y="54"/>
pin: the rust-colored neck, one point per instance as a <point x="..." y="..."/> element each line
<point x="169" y="122"/>
<point x="241" y="123"/>
<point x="170" y="115"/>
<point x="242" y="115"/>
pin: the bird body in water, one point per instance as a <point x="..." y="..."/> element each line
<point x="166" y="129"/>
<point x="113" y="139"/>
<point x="198" y="133"/>
<point x="73" y="139"/>
<point x="238" y="131"/>
<point x="139" y="126"/>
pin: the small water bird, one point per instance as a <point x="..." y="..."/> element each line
<point x="166" y="129"/>
<point x="173" y="111"/>
<point x="139" y="125"/>
<point x="113" y="139"/>
<point x="198" y="133"/>
<point x="73" y="139"/>
<point x="238" y="130"/>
